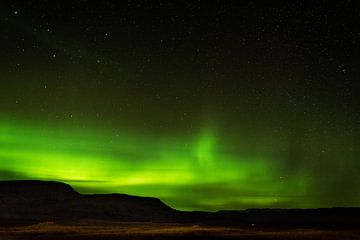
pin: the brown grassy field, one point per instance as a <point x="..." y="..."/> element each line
<point x="107" y="230"/>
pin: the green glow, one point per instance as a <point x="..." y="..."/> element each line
<point x="206" y="149"/>
<point x="197" y="173"/>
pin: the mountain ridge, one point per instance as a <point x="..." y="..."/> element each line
<point x="34" y="201"/>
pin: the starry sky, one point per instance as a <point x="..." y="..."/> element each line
<point x="206" y="105"/>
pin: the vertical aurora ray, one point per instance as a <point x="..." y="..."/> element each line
<point x="206" y="149"/>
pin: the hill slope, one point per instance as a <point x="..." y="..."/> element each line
<point x="40" y="200"/>
<point x="28" y="202"/>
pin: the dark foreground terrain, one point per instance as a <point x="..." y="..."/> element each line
<point x="53" y="210"/>
<point x="106" y="230"/>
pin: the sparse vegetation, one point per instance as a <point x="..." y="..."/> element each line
<point x="112" y="230"/>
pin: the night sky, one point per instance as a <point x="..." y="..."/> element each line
<point x="206" y="105"/>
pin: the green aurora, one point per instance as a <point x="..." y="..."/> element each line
<point x="187" y="174"/>
<point x="207" y="105"/>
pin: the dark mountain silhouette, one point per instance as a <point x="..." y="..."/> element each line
<point x="44" y="201"/>
<point x="28" y="202"/>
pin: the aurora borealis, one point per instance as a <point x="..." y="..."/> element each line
<point x="136" y="165"/>
<point x="205" y="105"/>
